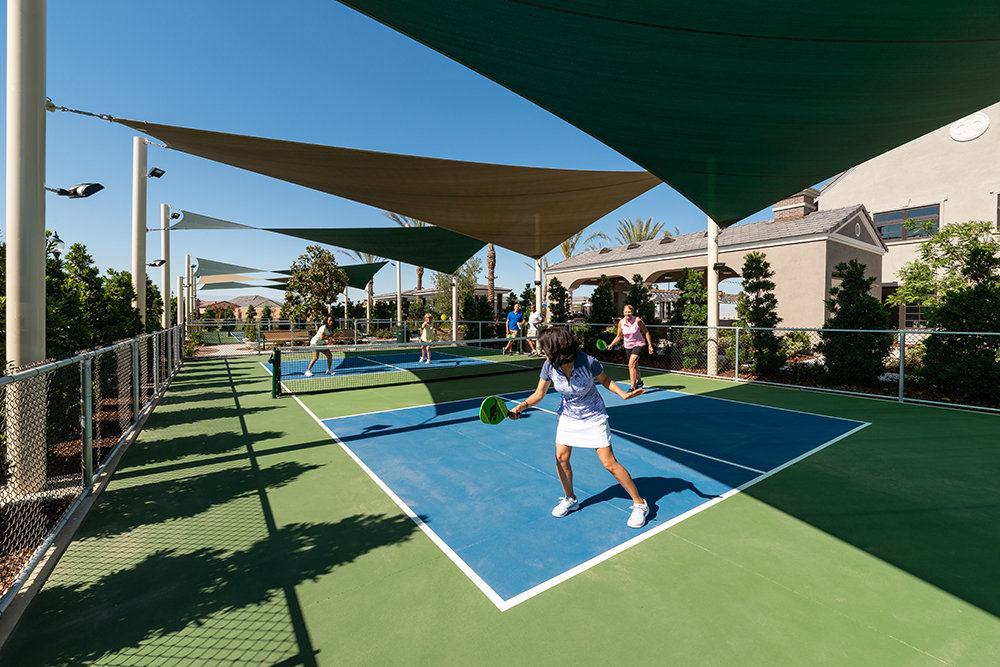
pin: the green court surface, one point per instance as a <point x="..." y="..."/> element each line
<point x="235" y="532"/>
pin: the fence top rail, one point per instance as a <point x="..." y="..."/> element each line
<point x="55" y="365"/>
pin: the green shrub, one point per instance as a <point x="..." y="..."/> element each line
<point x="795" y="343"/>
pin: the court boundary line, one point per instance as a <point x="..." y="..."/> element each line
<point x="503" y="605"/>
<point x="478" y="581"/>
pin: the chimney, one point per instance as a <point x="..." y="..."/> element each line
<point x="797" y="206"/>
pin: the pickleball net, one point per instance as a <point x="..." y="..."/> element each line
<point x="383" y="364"/>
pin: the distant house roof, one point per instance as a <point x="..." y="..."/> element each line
<point x="820" y="222"/>
<point x="412" y="294"/>
<point x="255" y="300"/>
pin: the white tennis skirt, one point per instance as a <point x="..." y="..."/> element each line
<point x="590" y="435"/>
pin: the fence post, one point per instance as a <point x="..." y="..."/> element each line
<point x="902" y="362"/>
<point x="87" y="422"/>
<point x="135" y="380"/>
<point x="736" y="353"/>
<point x="156" y="363"/>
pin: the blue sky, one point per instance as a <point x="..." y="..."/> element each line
<point x="307" y="71"/>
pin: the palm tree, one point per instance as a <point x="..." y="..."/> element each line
<point x="640" y="230"/>
<point x="406" y="221"/>
<point x="568" y="247"/>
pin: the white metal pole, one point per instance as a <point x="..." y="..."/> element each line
<point x="187" y="285"/>
<point x="538" y="286"/>
<point x="713" y="298"/>
<point x="181" y="301"/>
<point x="25" y="337"/>
<point x="454" y="308"/>
<point x="399" y="294"/>
<point x="165" y="269"/>
<point x="25" y="210"/>
<point x="139" y="225"/>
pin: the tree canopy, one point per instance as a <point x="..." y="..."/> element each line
<point x="314" y="286"/>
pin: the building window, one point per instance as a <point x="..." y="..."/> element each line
<point x="890" y="223"/>
<point x="914" y="317"/>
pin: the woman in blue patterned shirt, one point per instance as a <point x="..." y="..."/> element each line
<point x="583" y="418"/>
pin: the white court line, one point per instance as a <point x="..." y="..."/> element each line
<point x="491" y="595"/>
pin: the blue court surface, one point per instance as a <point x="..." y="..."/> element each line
<point x="484" y="493"/>
<point x="294" y="368"/>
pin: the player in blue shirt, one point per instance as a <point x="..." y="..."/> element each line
<point x="514" y="321"/>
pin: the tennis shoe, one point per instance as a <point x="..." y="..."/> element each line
<point x="638" y="518"/>
<point x="639" y="385"/>
<point x="308" y="374"/>
<point x="565" y="506"/>
<point x="330" y="372"/>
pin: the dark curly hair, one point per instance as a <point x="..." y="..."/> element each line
<point x="559" y="345"/>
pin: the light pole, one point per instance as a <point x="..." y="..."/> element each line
<point x="139" y="176"/>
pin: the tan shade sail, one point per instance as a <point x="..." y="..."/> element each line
<point x="223" y="278"/>
<point x="525" y="209"/>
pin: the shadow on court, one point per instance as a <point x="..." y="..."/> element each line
<point x="186" y="587"/>
<point x="916" y="489"/>
<point x="652" y="490"/>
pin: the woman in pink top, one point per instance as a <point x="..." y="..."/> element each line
<point x="631" y="331"/>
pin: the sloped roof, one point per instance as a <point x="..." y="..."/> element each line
<point x="820" y="222"/>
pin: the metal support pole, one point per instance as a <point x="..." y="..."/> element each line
<point x="139" y="225"/>
<point x="538" y="286"/>
<point x="25" y="210"/>
<point x="713" y="299"/>
<point x="188" y="318"/>
<point x="454" y="308"/>
<point x="399" y="294"/>
<point x="165" y="269"/>
<point x="87" y="422"/>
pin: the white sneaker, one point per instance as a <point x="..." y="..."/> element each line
<point x="428" y="361"/>
<point x="309" y="374"/>
<point x="638" y="518"/>
<point x="565" y="506"/>
<point x="331" y="372"/>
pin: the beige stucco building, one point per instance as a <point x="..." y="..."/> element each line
<point x="802" y="245"/>
<point x="949" y="175"/>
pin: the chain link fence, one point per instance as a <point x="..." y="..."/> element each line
<point x="960" y="369"/>
<point x="60" y="425"/>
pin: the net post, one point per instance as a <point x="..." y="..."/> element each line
<point x="87" y="421"/>
<point x="275" y="372"/>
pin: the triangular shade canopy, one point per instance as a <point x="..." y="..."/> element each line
<point x="524" y="209"/>
<point x="359" y="275"/>
<point x="223" y="278"/>
<point x="227" y="285"/>
<point x="430" y="247"/>
<point x="208" y="267"/>
<point x="198" y="221"/>
<point x="735" y="104"/>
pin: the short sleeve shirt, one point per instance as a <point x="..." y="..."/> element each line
<point x="580" y="399"/>
<point x="320" y="335"/>
<point x="534" y="320"/>
<point x="513" y="320"/>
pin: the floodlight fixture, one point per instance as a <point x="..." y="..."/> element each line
<point x="77" y="191"/>
<point x="58" y="246"/>
<point x="719" y="266"/>
<point x="158" y="262"/>
<point x="175" y="215"/>
<point x="155" y="172"/>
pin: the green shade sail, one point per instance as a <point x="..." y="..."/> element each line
<point x="430" y="247"/>
<point x="735" y="104"/>
<point x="359" y="275"/>
<point x="525" y="209"/>
<point x="209" y="267"/>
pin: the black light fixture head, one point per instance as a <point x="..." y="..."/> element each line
<point x="175" y="215"/>
<point x="77" y="191"/>
<point x="719" y="266"/>
<point x="58" y="245"/>
<point x="158" y="262"/>
<point x="155" y="172"/>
